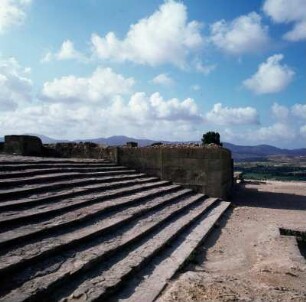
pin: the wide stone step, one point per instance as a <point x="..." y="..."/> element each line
<point x="11" y="218"/>
<point x="39" y="188"/>
<point x="56" y="160"/>
<point x="24" y="166"/>
<point x="15" y="182"/>
<point x="75" y="230"/>
<point x="103" y="281"/>
<point x="35" y="172"/>
<point x="74" y="268"/>
<point x="148" y="284"/>
<point x="86" y="215"/>
<point x="79" y="188"/>
<point x="11" y="237"/>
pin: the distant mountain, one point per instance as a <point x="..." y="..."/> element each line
<point x="260" y="151"/>
<point x="1" y="139"/>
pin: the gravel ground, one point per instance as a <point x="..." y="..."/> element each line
<point x="247" y="259"/>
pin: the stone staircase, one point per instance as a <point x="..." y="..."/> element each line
<point x="88" y="230"/>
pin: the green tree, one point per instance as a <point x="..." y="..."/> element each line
<point x="211" y="138"/>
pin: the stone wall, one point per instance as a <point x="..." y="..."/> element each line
<point x="23" y="145"/>
<point x="208" y="170"/>
<point x="205" y="170"/>
<point x="81" y="150"/>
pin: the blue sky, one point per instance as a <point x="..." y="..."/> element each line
<point x="162" y="70"/>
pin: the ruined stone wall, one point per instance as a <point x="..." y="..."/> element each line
<point x="81" y="150"/>
<point x="205" y="170"/>
<point x="23" y="145"/>
<point x="208" y="170"/>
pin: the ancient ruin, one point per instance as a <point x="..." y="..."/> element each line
<point x="80" y="229"/>
<point x="86" y="222"/>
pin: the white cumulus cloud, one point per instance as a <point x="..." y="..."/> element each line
<point x="103" y="83"/>
<point x="164" y="37"/>
<point x="271" y="76"/>
<point x="163" y="79"/>
<point x="299" y="110"/>
<point x="15" y="84"/>
<point x="232" y="116"/>
<point x="284" y="11"/>
<point x="274" y="133"/>
<point x="245" y="34"/>
<point x="12" y="13"/>
<point x="67" y="51"/>
<point x="280" y="112"/>
<point x="303" y="131"/>
<point x="205" y="69"/>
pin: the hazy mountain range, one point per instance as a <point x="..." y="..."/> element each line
<point x="238" y="152"/>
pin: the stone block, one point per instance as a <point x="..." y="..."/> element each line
<point x="26" y="145"/>
<point x="132" y="144"/>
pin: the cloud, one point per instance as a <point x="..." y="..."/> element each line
<point x="232" y="116"/>
<point x="67" y="51"/>
<point x="163" y="79"/>
<point x="293" y="11"/>
<point x="12" y="13"/>
<point x="244" y="34"/>
<point x="137" y="115"/>
<point x="274" y="133"/>
<point x="104" y="104"/>
<point x="203" y="68"/>
<point x="303" y="131"/>
<point x="288" y="129"/>
<point x="281" y="134"/>
<point x="299" y="111"/>
<point x="96" y="88"/>
<point x="142" y="108"/>
<point x="280" y="112"/>
<point x="165" y="37"/>
<point x="15" y="84"/>
<point x="271" y="76"/>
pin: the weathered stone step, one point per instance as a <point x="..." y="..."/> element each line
<point x="21" y="166"/>
<point x="35" y="172"/>
<point x="11" y="219"/>
<point x="148" y="284"/>
<point x="107" y="278"/>
<point x="15" y="182"/>
<point x="81" y="263"/>
<point x="35" y="189"/>
<point x="78" y="189"/>
<point x="56" y="160"/>
<point x="47" y="227"/>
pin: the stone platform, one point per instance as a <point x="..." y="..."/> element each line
<point x="90" y="230"/>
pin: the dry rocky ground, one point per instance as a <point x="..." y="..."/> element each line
<point x="247" y="259"/>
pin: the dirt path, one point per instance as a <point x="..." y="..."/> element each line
<point x="247" y="259"/>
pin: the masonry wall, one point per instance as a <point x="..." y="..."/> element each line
<point x="81" y="150"/>
<point x="23" y="145"/>
<point x="208" y="170"/>
<point x="205" y="170"/>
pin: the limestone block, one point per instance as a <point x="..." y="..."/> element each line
<point x="23" y="145"/>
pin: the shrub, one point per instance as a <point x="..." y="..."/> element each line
<point x="211" y="138"/>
